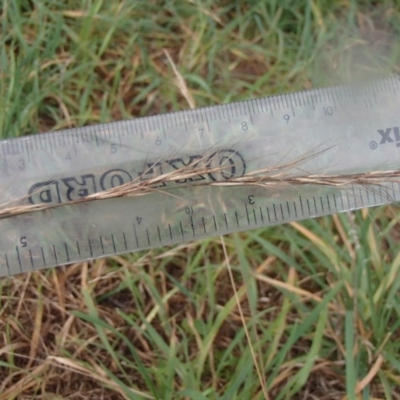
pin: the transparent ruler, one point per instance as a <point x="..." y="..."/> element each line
<point x="346" y="129"/>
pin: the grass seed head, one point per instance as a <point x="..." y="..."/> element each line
<point x="274" y="177"/>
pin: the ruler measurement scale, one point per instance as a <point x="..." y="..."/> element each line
<point x="100" y="228"/>
<point x="80" y="137"/>
<point x="277" y="214"/>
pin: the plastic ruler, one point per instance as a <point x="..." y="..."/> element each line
<point x="350" y="128"/>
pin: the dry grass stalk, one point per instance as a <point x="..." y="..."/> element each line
<point x="275" y="177"/>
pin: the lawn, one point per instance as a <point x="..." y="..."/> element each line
<point x="306" y="310"/>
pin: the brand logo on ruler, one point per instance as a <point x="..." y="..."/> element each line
<point x="77" y="187"/>
<point x="390" y="135"/>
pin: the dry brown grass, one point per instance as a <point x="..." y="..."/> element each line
<point x="275" y="177"/>
<point x="55" y="352"/>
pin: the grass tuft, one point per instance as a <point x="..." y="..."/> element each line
<point x="319" y="299"/>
